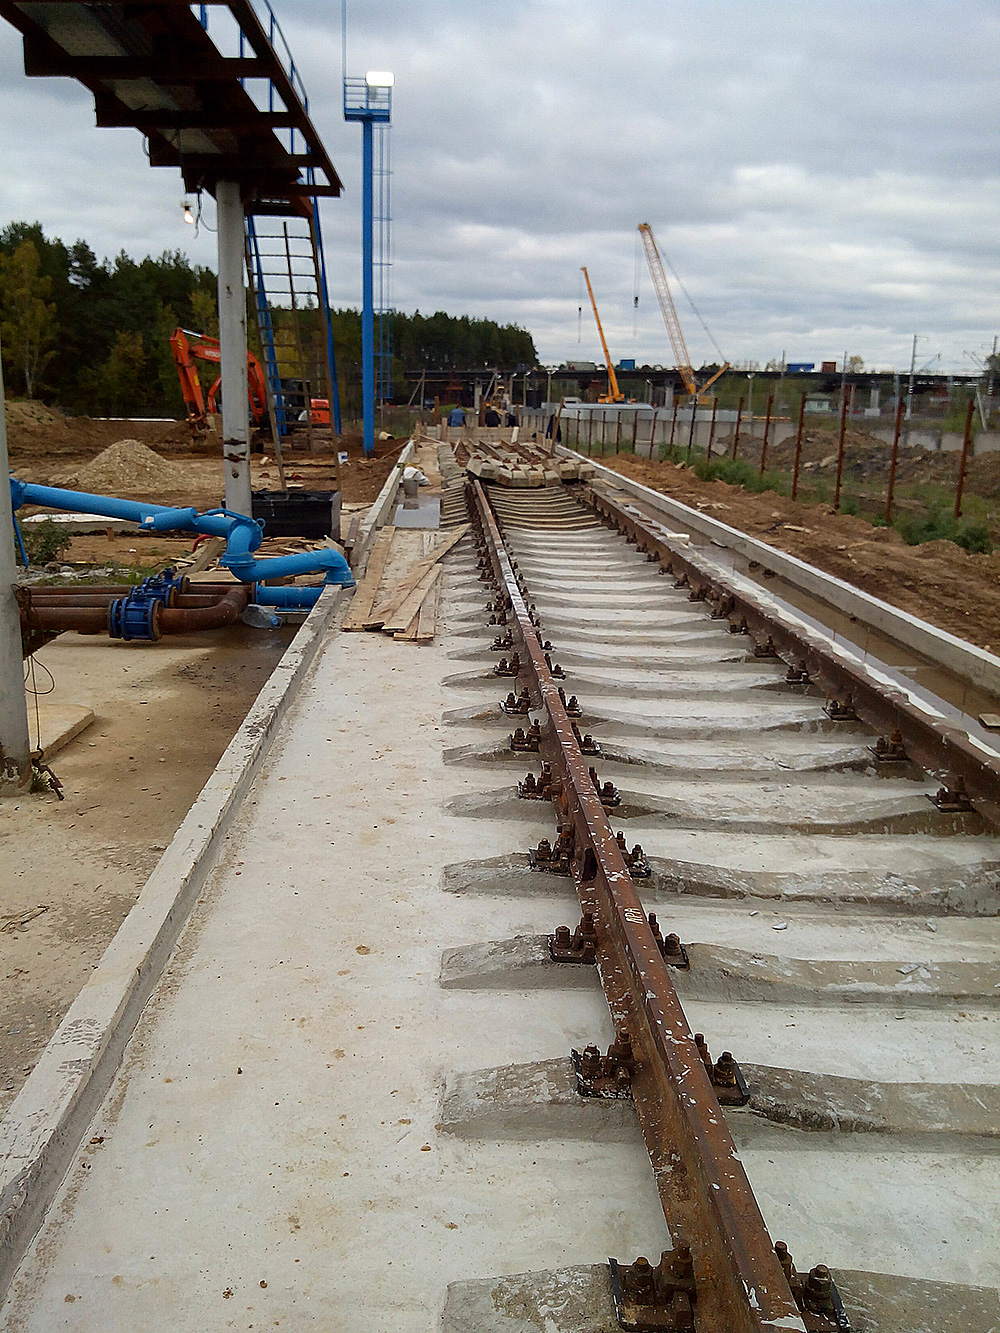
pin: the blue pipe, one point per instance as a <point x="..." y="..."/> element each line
<point x="294" y="599"/>
<point x="20" y="542"/>
<point x="243" y="535"/>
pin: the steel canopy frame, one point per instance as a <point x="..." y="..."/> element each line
<point x="152" y="66"/>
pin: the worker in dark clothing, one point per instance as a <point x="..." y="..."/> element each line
<point x="492" y="417"/>
<point x="552" y="425"/>
<point x="511" y="417"/>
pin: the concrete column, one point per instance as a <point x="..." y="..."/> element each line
<point x="233" y="347"/>
<point x="15" y="750"/>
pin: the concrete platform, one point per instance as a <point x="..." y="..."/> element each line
<point x="57" y="724"/>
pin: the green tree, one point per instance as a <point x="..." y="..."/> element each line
<point x="28" y="324"/>
<point x="120" y="381"/>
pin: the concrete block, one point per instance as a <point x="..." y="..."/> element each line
<point x="577" y="1299"/>
<point x="533" y="1101"/>
<point x="58" y="724"/>
<point x="562" y="1300"/>
<point x="523" y="963"/>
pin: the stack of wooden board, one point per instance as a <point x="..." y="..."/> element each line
<point x="407" y="609"/>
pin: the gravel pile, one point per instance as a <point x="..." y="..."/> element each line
<point x="125" y="467"/>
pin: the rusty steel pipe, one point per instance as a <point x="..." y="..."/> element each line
<point x="171" y="620"/>
<point x="88" y="598"/>
<point x="706" y="1197"/>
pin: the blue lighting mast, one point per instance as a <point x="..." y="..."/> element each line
<point x="368" y="100"/>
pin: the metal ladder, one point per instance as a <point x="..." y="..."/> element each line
<point x="287" y="273"/>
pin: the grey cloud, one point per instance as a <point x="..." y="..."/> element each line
<point x="823" y="174"/>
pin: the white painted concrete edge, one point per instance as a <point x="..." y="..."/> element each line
<point x="43" y="1127"/>
<point x="965" y="660"/>
<point x="380" y="510"/>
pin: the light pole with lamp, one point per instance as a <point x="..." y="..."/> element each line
<point x="368" y="100"/>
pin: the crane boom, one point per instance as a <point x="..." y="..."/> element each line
<point x="615" y="395"/>
<point x="682" y="358"/>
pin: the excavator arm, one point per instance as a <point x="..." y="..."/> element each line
<point x="188" y="347"/>
<point x="194" y="399"/>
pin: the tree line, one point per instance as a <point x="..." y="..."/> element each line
<point x="91" y="336"/>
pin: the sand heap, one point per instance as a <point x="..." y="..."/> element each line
<point x="127" y="466"/>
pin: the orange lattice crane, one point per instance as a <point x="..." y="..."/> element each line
<point x="682" y="359"/>
<point x="614" y="394"/>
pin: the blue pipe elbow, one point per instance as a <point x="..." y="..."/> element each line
<point x="243" y="534"/>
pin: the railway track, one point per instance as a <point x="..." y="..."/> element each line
<point x="683" y="759"/>
<point x="629" y="920"/>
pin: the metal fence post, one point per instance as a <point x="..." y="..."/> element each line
<point x="900" y="411"/>
<point x="711" y="431"/>
<point x="798" y="447"/>
<point x="840" y="452"/>
<point x="736" y="431"/>
<point x="767" y="431"/>
<point x="963" y="462"/>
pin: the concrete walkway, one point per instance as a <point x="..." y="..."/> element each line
<point x="269" y="1156"/>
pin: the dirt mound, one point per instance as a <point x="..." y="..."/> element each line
<point x="32" y="414"/>
<point x="127" y="466"/>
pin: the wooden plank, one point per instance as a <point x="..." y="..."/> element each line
<point x="412" y="580"/>
<point x="208" y="551"/>
<point x="364" y="597"/>
<point x="427" y="618"/>
<point x="410" y="633"/>
<point x="401" y="619"/>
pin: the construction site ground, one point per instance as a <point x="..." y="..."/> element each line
<point x="51" y="449"/>
<point x="938" y="581"/>
<point x="163" y="714"/>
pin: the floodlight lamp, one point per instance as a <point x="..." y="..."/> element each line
<point x="379" y="78"/>
<point x="188" y="215"/>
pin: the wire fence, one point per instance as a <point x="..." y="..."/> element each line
<point x="951" y="491"/>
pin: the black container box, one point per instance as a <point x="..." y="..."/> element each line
<point x="314" y="514"/>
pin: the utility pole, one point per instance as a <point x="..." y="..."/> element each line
<point x="15" y="748"/>
<point x="233" y="347"/>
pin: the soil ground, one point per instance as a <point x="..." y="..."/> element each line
<point x="48" y="448"/>
<point x="938" y="581"/>
<point x="164" y="713"/>
<point x="163" y="716"/>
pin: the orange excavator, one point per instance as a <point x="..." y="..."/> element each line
<point x="188" y="347"/>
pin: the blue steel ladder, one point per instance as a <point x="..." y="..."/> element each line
<point x="287" y="275"/>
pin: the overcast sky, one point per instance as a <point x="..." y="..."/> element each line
<point x="823" y="175"/>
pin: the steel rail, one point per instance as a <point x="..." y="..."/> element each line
<point x="704" y="1191"/>
<point x="931" y="741"/>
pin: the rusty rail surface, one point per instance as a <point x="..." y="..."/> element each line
<point x="706" y="1197"/>
<point x="941" y="749"/>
